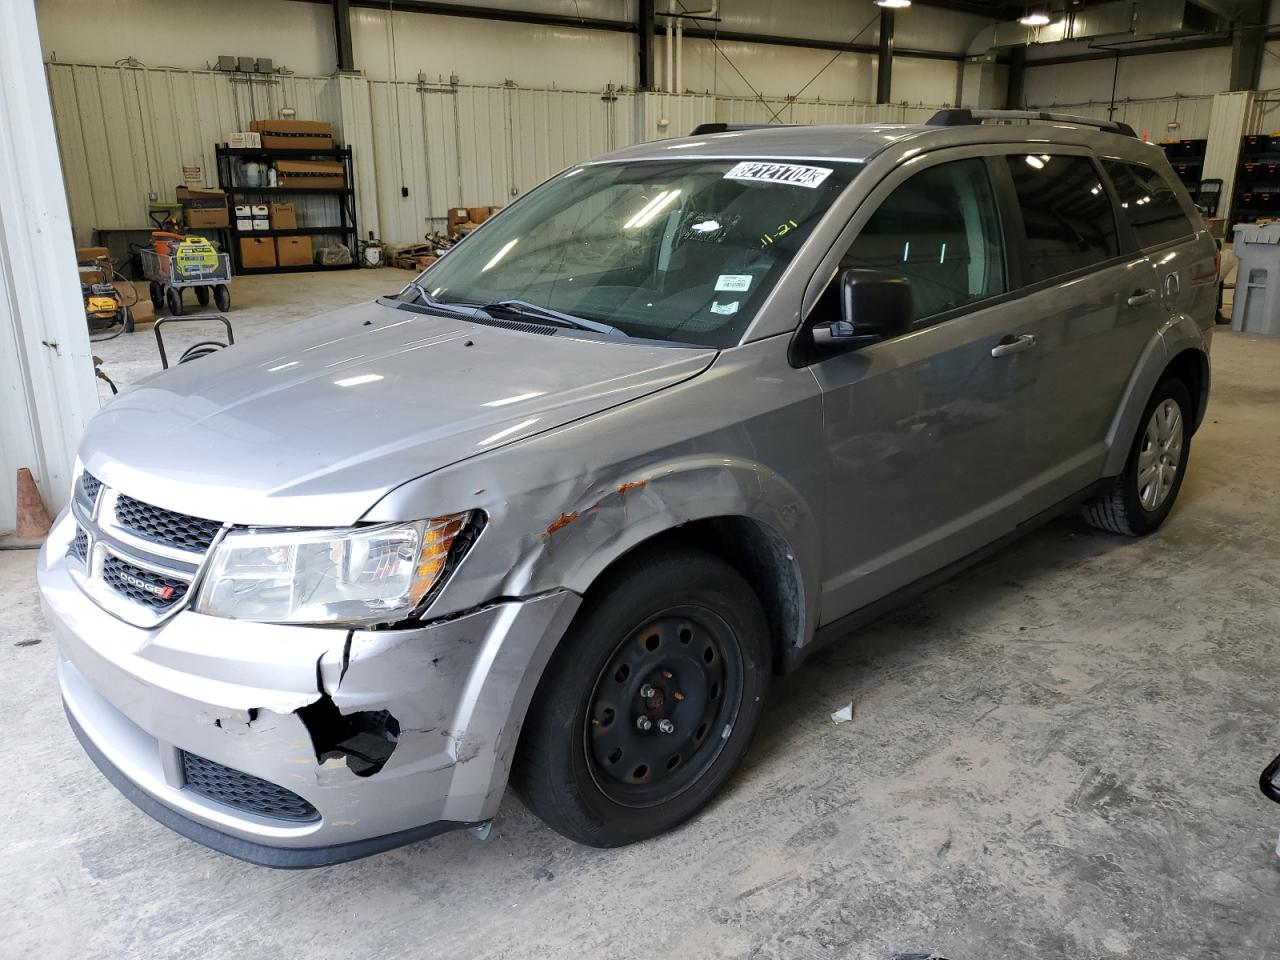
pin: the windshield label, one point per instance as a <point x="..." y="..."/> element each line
<point x="724" y="308"/>
<point x="733" y="282"/>
<point x="791" y="173"/>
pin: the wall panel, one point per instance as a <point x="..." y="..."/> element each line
<point x="420" y="148"/>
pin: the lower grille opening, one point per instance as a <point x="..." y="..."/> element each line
<point x="152" y="589"/>
<point x="244" y="791"/>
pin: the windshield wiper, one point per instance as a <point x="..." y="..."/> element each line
<point x="539" y="314"/>
<point x="454" y="309"/>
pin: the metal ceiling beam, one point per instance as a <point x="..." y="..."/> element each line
<point x="732" y="36"/>
<point x="469" y="11"/>
<point x="977" y="9"/>
<point x="342" y="34"/>
<point x="884" y="63"/>
<point x="645" y="28"/>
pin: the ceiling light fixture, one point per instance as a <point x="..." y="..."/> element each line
<point x="893" y="4"/>
<point x="1036" y="18"/>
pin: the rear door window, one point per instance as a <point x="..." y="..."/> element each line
<point x="1148" y="203"/>
<point x="1066" y="214"/>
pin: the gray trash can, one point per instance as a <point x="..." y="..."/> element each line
<point x="1256" y="305"/>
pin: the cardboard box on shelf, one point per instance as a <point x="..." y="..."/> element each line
<point x="283" y="216"/>
<point x="257" y="252"/>
<point x="294" y="134"/>
<point x="459" y="215"/>
<point x="245" y="140"/>
<point x="478" y="214"/>
<point x="293" y="251"/>
<point x="311" y="174"/>
<point x="203" y="207"/>
<point x="261" y="223"/>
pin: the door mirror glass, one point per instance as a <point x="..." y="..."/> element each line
<point x="874" y="306"/>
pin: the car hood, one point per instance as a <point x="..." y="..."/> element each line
<point x="312" y="424"/>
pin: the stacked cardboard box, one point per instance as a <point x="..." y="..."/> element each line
<point x="293" y="134"/>
<point x="463" y="220"/>
<point x="203" y="207"/>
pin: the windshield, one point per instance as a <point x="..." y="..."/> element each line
<point x="665" y="250"/>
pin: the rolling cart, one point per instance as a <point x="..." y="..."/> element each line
<point x="171" y="273"/>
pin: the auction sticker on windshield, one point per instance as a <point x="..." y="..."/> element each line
<point x="794" y="174"/>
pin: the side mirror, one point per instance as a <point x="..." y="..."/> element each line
<point x="874" y="306"/>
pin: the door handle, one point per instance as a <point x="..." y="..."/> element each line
<point x="1011" y="344"/>
<point x="1139" y="297"/>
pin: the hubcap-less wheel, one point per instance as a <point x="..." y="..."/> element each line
<point x="661" y="706"/>
<point x="1160" y="456"/>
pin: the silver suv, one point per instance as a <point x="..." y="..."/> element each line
<point x="554" y="513"/>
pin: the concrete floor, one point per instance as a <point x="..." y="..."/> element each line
<point x="1055" y="755"/>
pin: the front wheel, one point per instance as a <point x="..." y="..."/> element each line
<point x="650" y="701"/>
<point x="222" y="297"/>
<point x="1142" y="496"/>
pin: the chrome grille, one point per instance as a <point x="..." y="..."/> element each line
<point x="79" y="546"/>
<point x="139" y="561"/>
<point x="87" y="489"/>
<point x="244" y="791"/>
<point x="147" y="587"/>
<point x="165" y="527"/>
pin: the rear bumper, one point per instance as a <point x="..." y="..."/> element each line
<point x="264" y="700"/>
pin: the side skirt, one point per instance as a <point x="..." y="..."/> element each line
<point x="838" y="629"/>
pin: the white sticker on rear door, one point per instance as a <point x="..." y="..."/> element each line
<point x="733" y="282"/>
<point x="794" y="174"/>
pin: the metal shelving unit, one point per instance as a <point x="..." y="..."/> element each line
<point x="346" y="196"/>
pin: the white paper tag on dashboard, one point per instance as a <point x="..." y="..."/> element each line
<point x="794" y="174"/>
<point x="733" y="282"/>
<point x="724" y="308"/>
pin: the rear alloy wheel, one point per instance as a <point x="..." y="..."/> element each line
<point x="1142" y="496"/>
<point x="649" y="702"/>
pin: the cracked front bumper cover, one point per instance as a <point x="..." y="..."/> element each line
<point x="452" y="693"/>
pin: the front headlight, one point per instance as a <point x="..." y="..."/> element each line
<point x="360" y="575"/>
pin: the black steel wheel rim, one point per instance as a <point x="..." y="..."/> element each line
<point x="662" y="707"/>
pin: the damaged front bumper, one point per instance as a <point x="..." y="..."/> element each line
<point x="301" y="746"/>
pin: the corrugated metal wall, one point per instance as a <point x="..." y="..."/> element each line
<point x="125" y="133"/>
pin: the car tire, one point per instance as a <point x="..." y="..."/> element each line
<point x="1141" y="497"/>
<point x="676" y="636"/>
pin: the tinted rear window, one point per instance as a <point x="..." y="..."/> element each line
<point x="1148" y="202"/>
<point x="1066" y="214"/>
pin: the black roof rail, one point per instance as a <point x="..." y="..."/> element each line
<point x="702" y="129"/>
<point x="966" y="117"/>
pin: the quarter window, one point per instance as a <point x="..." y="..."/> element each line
<point x="1066" y="214"/>
<point x="940" y="230"/>
<point x="1148" y="203"/>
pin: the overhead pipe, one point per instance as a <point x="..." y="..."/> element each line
<point x="679" y="57"/>
<point x="711" y="13"/>
<point x="669" y="75"/>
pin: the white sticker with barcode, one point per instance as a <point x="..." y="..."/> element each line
<point x="724" y="309"/>
<point x="795" y="174"/>
<point x="733" y="282"/>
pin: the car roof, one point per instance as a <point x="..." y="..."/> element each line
<point x="859" y="142"/>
